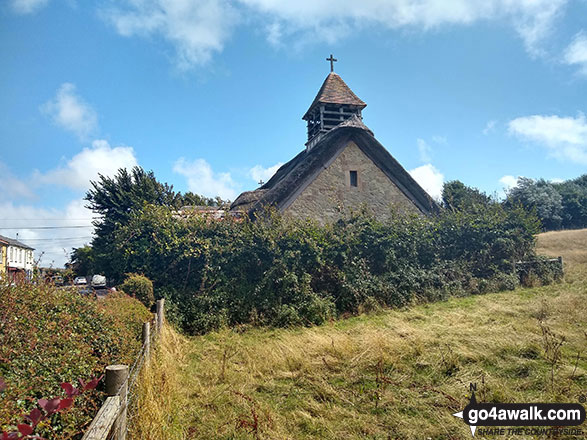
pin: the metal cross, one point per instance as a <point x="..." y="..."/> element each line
<point x="332" y="60"/>
<point x="261" y="182"/>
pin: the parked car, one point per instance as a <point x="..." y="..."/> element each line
<point x="98" y="281"/>
<point x="57" y="280"/>
<point x="80" y="281"/>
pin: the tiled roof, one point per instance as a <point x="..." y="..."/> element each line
<point x="16" y="243"/>
<point x="335" y="91"/>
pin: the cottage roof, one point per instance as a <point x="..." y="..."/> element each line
<point x="294" y="176"/>
<point x="13" y="242"/>
<point x="335" y="91"/>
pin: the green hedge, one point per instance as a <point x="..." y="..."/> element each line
<point x="139" y="287"/>
<point x="276" y="271"/>
<point x="49" y="336"/>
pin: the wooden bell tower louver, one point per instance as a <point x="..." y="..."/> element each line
<point x="334" y="103"/>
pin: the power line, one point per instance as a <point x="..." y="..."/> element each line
<point x="50" y="219"/>
<point x="50" y="227"/>
<point x="55" y="239"/>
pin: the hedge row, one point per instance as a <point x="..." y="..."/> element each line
<point x="49" y="336"/>
<point x="276" y="271"/>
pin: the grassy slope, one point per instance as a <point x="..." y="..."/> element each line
<point x="396" y="374"/>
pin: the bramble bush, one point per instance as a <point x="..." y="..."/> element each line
<point x="139" y="287"/>
<point x="278" y="271"/>
<point x="49" y="336"/>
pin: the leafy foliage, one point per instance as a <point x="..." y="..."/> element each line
<point x="49" y="336"/>
<point x="541" y="196"/>
<point x="557" y="205"/>
<point x="115" y="199"/>
<point x="82" y="261"/>
<point x="456" y="196"/>
<point x="139" y="287"/>
<point x="49" y="408"/>
<point x="276" y="271"/>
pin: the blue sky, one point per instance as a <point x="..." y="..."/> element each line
<point x="209" y="94"/>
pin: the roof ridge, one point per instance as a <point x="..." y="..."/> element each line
<point x="356" y="122"/>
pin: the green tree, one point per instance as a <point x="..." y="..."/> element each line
<point x="457" y="196"/>
<point x="541" y="196"/>
<point x="574" y="202"/>
<point x="82" y="260"/>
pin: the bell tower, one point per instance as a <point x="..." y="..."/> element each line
<point x="334" y="103"/>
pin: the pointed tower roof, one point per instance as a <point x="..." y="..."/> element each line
<point x="335" y="91"/>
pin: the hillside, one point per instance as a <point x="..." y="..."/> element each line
<point x="385" y="375"/>
<point x="572" y="245"/>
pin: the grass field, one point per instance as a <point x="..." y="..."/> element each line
<point x="396" y="374"/>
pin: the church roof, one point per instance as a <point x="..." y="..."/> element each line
<point x="294" y="176"/>
<point x="355" y="121"/>
<point x="335" y="91"/>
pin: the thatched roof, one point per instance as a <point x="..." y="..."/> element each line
<point x="294" y="176"/>
<point x="247" y="199"/>
<point x="335" y="91"/>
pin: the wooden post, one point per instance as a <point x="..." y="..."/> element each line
<point x="147" y="339"/>
<point x="160" y="314"/>
<point x="117" y="385"/>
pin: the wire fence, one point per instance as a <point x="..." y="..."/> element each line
<point x="117" y="412"/>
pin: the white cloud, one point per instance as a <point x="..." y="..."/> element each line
<point x="199" y="28"/>
<point x="532" y="19"/>
<point x="100" y="158"/>
<point x="424" y="150"/>
<point x="204" y="181"/>
<point x="490" y="127"/>
<point x="508" y="182"/>
<point x="576" y="52"/>
<point x="12" y="187"/>
<point x="69" y="111"/>
<point x="54" y="244"/>
<point x="564" y="137"/>
<point x="258" y="173"/>
<point x="196" y="29"/>
<point x="27" y="6"/>
<point x="430" y="179"/>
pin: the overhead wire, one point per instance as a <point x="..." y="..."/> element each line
<point x="50" y="227"/>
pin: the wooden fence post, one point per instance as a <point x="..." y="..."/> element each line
<point x="160" y="314"/>
<point x="117" y="385"/>
<point x="147" y="339"/>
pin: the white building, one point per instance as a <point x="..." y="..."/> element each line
<point x="19" y="259"/>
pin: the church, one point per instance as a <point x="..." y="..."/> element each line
<point x="342" y="168"/>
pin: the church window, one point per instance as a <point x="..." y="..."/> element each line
<point x="354" y="180"/>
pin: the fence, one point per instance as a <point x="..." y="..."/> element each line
<point x="554" y="266"/>
<point x="112" y="419"/>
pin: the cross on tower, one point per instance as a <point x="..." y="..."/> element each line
<point x="332" y="61"/>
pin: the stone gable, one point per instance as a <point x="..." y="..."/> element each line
<point x="331" y="192"/>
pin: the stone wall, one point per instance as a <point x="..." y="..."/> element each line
<point x="331" y="193"/>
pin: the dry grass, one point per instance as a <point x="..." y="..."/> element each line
<point x="159" y="391"/>
<point x="572" y="245"/>
<point x="399" y="374"/>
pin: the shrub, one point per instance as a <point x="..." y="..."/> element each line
<point x="139" y="287"/>
<point x="278" y="271"/>
<point x="49" y="336"/>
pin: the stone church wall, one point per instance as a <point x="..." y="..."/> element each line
<point x="331" y="192"/>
